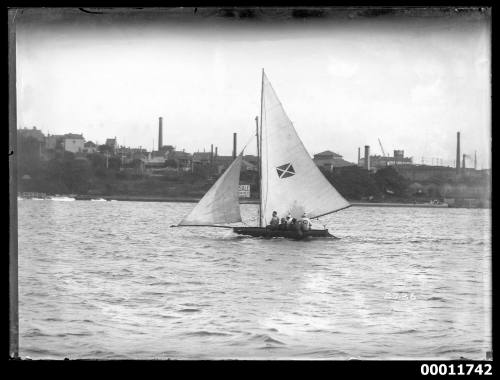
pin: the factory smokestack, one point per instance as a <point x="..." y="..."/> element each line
<point x="160" y="134"/>
<point x="367" y="157"/>
<point x="359" y="154"/>
<point x="457" y="164"/>
<point x="215" y="151"/>
<point x="211" y="153"/>
<point x="475" y="160"/>
<point x="234" y="145"/>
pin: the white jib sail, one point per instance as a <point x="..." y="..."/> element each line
<point x="291" y="181"/>
<point x="220" y="204"/>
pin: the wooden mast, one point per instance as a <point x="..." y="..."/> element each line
<point x="260" y="149"/>
<point x="258" y="161"/>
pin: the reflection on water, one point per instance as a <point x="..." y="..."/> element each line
<point x="112" y="280"/>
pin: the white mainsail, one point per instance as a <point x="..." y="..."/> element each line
<point x="220" y="204"/>
<point x="290" y="180"/>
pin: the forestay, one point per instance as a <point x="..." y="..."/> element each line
<point x="291" y="181"/>
<point x="220" y="204"/>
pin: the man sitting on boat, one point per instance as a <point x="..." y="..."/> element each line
<point x="283" y="224"/>
<point x="275" y="221"/>
<point x="305" y="222"/>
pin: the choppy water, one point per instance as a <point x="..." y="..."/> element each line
<point x="111" y="280"/>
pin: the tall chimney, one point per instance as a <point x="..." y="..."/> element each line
<point x="367" y="157"/>
<point x="359" y="154"/>
<point x="458" y="153"/>
<point x="160" y="134"/>
<point x="463" y="161"/>
<point x="234" y="145"/>
<point x="211" y="153"/>
<point x="475" y="160"/>
<point x="215" y="151"/>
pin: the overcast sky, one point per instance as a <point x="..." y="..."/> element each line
<point x="413" y="82"/>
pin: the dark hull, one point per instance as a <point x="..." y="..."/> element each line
<point x="290" y="234"/>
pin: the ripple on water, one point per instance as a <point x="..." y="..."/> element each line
<point x="206" y="333"/>
<point x="264" y="338"/>
<point x="189" y="310"/>
<point x="269" y="298"/>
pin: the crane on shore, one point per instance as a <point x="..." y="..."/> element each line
<point x="381" y="147"/>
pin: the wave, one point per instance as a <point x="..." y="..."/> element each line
<point x="436" y="299"/>
<point x="327" y="353"/>
<point x="264" y="338"/>
<point x="33" y="333"/>
<point x="162" y="283"/>
<point x="410" y="331"/>
<point x="206" y="333"/>
<point x="189" y="310"/>
<point x="63" y="335"/>
<point x="270" y="348"/>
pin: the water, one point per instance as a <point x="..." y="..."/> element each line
<point x="111" y="280"/>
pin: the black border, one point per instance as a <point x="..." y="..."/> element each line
<point x="332" y="368"/>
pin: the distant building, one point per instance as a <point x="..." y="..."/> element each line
<point x="166" y="149"/>
<point x="89" y="147"/>
<point x="184" y="160"/>
<point x="73" y="142"/>
<point x="34" y="133"/>
<point x="221" y="163"/>
<point x="112" y="144"/>
<point x="379" y="162"/>
<point x="250" y="163"/>
<point x="155" y="165"/>
<point x="138" y="154"/>
<point x="248" y="166"/>
<point x="202" y="158"/>
<point x="54" y="141"/>
<point x="329" y="160"/>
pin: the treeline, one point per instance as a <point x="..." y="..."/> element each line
<point x="61" y="172"/>
<point x="356" y="183"/>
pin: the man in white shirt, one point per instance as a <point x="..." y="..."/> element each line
<point x="306" y="222"/>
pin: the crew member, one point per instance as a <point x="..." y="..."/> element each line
<point x="275" y="221"/>
<point x="305" y="222"/>
<point x="282" y="225"/>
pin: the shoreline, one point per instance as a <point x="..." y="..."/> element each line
<point x="255" y="201"/>
<point x="129" y="198"/>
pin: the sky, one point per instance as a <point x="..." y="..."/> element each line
<point x="345" y="81"/>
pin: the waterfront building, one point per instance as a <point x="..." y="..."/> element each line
<point x="89" y="147"/>
<point x="73" y="142"/>
<point x="33" y="132"/>
<point x="54" y="141"/>
<point x="112" y="144"/>
<point x="329" y="160"/>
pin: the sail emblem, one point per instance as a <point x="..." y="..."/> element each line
<point x="286" y="170"/>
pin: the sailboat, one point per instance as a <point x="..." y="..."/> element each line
<point x="290" y="182"/>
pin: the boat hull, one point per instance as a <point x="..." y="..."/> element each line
<point x="290" y="234"/>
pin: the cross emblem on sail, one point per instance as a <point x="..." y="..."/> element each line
<point x="285" y="170"/>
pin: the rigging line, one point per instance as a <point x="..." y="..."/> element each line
<point x="248" y="142"/>
<point x="331" y="212"/>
